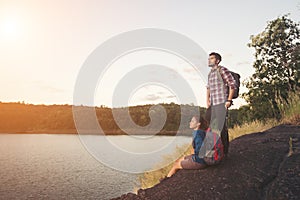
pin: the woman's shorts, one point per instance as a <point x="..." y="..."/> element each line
<point x="188" y="163"/>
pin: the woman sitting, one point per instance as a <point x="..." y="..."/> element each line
<point x="193" y="161"/>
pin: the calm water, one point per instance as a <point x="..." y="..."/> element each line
<point x="54" y="166"/>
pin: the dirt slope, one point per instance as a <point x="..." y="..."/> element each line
<point x="257" y="168"/>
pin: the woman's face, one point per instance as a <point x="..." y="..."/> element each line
<point x="194" y="124"/>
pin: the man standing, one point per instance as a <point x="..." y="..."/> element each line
<point x="218" y="99"/>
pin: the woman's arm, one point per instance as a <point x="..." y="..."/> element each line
<point x="192" y="150"/>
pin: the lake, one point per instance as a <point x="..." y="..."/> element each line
<point x="59" y="166"/>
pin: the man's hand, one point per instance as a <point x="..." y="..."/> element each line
<point x="227" y="104"/>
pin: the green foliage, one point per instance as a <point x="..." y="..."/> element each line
<point x="277" y="68"/>
<point x="290" y="110"/>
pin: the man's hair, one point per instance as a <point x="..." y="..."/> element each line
<point x="218" y="56"/>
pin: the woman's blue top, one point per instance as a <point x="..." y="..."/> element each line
<point x="198" y="138"/>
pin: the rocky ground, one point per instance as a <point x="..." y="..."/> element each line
<point x="264" y="165"/>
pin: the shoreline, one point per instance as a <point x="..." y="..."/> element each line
<point x="92" y="132"/>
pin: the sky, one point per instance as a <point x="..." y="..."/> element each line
<point x="43" y="44"/>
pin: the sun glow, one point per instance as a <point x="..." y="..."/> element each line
<point x="10" y="28"/>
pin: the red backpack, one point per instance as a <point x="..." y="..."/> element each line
<point x="214" y="149"/>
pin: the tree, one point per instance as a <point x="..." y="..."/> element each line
<point x="276" y="66"/>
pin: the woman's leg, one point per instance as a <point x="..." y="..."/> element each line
<point x="190" y="164"/>
<point x="175" y="167"/>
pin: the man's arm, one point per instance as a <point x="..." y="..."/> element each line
<point x="231" y="92"/>
<point x="208" y="92"/>
<point x="231" y="84"/>
<point x="229" y="99"/>
<point x="208" y="97"/>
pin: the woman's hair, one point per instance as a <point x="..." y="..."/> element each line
<point x="203" y="123"/>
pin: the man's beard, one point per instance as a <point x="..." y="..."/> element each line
<point x="211" y="65"/>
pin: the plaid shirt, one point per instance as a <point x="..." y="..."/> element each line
<point x="218" y="88"/>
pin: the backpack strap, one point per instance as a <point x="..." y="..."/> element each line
<point x="219" y="74"/>
<point x="209" y="74"/>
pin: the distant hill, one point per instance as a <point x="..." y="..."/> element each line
<point x="28" y="118"/>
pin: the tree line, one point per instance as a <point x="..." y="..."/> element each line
<point x="21" y="117"/>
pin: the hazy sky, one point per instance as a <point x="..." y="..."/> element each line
<point x="43" y="44"/>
